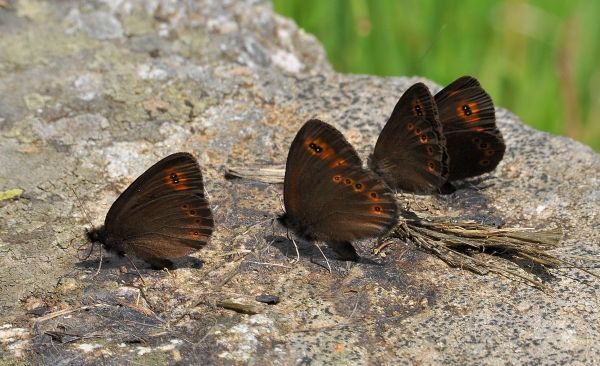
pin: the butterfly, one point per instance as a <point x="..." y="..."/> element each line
<point x="410" y="152"/>
<point x="162" y="215"/>
<point x="475" y="145"/>
<point x="429" y="141"/>
<point x="328" y="195"/>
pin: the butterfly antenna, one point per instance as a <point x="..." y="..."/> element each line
<point x="87" y="218"/>
<point x="81" y="206"/>
<point x="136" y="269"/>
<point x="324" y="256"/>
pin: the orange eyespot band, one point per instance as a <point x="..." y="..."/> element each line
<point x="176" y="180"/>
<point x="318" y="148"/>
<point x="468" y="111"/>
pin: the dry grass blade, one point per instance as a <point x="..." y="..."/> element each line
<point x="521" y="247"/>
<point x="272" y="174"/>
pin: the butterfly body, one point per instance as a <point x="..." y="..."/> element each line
<point x="328" y="196"/>
<point x="162" y="215"/>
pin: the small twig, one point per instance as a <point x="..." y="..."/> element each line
<point x="259" y="174"/>
<point x="270" y="264"/>
<point x="68" y="311"/>
<point x="241" y="251"/>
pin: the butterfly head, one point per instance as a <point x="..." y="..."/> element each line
<point x="96" y="235"/>
<point x="296" y="226"/>
<point x="99" y="235"/>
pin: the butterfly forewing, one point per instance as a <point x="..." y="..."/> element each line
<point x="327" y="193"/>
<point x="468" y="117"/>
<point x="410" y="153"/>
<point x="164" y="213"/>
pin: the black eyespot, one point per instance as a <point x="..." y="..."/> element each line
<point x="348" y="181"/>
<point x="174" y="178"/>
<point x="373" y="195"/>
<point x="192" y="212"/>
<point x="377" y="209"/>
<point x="315" y="147"/>
<point x="467" y="110"/>
<point x="418" y="110"/>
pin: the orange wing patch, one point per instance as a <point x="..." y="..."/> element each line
<point x="319" y="148"/>
<point x="373" y="196"/>
<point x="176" y="180"/>
<point x="337" y="163"/>
<point x="430" y="167"/>
<point x="468" y="111"/>
<point x="376" y="210"/>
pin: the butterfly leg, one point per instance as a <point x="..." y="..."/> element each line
<point x="324" y="256"/>
<point x="297" y="259"/>
<point x="99" y="261"/>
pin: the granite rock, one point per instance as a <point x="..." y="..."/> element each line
<point x="92" y="93"/>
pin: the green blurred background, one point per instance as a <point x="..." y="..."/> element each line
<point x="540" y="59"/>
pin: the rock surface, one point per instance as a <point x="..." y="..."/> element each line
<point x="92" y="93"/>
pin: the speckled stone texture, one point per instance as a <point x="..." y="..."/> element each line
<point x="93" y="92"/>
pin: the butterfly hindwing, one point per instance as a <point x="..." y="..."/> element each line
<point x="410" y="153"/>
<point x="474" y="143"/>
<point x="327" y="194"/>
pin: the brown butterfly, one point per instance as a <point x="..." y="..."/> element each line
<point x="410" y="153"/>
<point x="474" y="143"/>
<point x="162" y="215"/>
<point x="430" y="141"/>
<point x="328" y="196"/>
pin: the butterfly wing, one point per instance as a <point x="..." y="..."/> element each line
<point x="327" y="194"/>
<point x="164" y="212"/>
<point x="410" y="153"/>
<point x="474" y="143"/>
